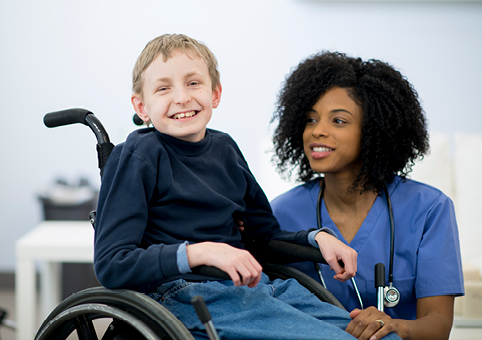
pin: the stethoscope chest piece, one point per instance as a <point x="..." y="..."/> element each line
<point x="392" y="296"/>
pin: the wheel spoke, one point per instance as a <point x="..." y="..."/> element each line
<point x="132" y="313"/>
<point x="85" y="328"/>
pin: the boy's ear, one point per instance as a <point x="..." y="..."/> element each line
<point x="139" y="107"/>
<point x="217" y="96"/>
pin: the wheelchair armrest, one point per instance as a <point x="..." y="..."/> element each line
<point x="282" y="252"/>
<point x="285" y="252"/>
<point x="210" y="271"/>
<point x="276" y="252"/>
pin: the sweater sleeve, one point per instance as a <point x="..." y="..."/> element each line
<point x="260" y="223"/>
<point x="121" y="259"/>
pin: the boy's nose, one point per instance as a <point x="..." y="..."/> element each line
<point x="181" y="96"/>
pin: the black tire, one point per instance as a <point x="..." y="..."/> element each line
<point x="133" y="312"/>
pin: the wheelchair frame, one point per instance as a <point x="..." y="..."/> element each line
<point x="134" y="314"/>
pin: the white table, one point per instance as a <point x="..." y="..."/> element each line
<point x="466" y="333"/>
<point x="466" y="329"/>
<point x="50" y="243"/>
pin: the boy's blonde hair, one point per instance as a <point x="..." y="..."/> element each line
<point x="165" y="45"/>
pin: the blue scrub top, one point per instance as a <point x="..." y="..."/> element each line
<point x="427" y="259"/>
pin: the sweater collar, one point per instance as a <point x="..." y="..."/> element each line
<point x="186" y="148"/>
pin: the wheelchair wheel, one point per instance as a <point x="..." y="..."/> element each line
<point x="133" y="315"/>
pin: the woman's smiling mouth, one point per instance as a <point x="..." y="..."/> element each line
<point x="321" y="149"/>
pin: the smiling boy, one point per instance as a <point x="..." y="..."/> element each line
<point x="178" y="96"/>
<point x="167" y="202"/>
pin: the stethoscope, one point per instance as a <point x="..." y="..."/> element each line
<point x="390" y="295"/>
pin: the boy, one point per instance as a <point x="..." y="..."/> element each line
<point x="167" y="201"/>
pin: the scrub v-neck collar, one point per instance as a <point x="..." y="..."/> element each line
<point x="365" y="229"/>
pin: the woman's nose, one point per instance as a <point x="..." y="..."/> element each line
<point x="320" y="130"/>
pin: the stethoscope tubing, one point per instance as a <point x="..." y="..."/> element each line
<point x="392" y="236"/>
<point x="392" y="239"/>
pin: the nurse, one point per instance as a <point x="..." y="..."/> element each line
<point x="355" y="128"/>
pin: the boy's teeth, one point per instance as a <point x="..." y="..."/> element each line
<point x="184" y="115"/>
<point x="321" y="149"/>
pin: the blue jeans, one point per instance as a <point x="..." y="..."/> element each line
<point x="273" y="310"/>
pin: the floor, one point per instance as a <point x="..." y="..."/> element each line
<point x="7" y="302"/>
<point x="81" y="277"/>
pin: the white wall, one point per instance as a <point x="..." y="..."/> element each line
<point x="59" y="54"/>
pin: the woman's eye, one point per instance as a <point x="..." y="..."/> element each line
<point x="310" y="120"/>
<point x="338" y="121"/>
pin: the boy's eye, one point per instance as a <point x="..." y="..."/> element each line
<point x="160" y="89"/>
<point x="193" y="83"/>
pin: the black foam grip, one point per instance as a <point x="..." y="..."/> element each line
<point x="65" y="117"/>
<point x="201" y="309"/>
<point x="379" y="275"/>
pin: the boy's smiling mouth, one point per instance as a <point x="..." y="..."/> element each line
<point x="187" y="114"/>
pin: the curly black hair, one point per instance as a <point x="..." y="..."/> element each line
<point x="394" y="131"/>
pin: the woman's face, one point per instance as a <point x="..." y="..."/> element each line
<point x="332" y="136"/>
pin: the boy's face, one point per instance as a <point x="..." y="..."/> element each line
<point x="177" y="96"/>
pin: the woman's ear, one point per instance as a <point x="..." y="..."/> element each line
<point x="217" y="96"/>
<point x="139" y="107"/>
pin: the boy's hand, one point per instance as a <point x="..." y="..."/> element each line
<point x="333" y="250"/>
<point x="239" y="264"/>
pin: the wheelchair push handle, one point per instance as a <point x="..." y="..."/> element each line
<point x="74" y="116"/>
<point x="86" y="117"/>
<point x="65" y="117"/>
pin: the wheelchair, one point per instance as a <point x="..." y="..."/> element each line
<point x="134" y="315"/>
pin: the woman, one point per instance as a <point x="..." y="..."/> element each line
<point x="351" y="129"/>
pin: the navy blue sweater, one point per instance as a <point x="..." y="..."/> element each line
<point x="158" y="191"/>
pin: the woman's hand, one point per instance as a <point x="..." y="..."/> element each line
<point x="239" y="224"/>
<point x="433" y="322"/>
<point x="371" y="324"/>
<point x="239" y="264"/>
<point x="333" y="250"/>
